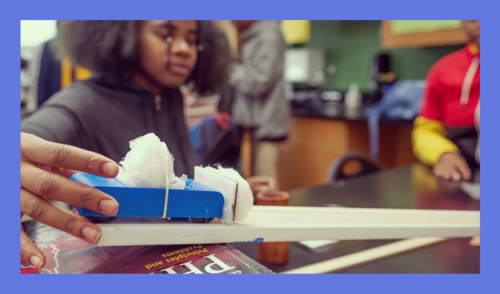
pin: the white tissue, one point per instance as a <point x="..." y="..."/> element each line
<point x="238" y="199"/>
<point x="149" y="164"/>
<point x="227" y="187"/>
<point x="244" y="197"/>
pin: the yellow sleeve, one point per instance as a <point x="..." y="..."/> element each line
<point x="429" y="141"/>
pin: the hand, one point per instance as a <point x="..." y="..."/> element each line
<point x="45" y="168"/>
<point x="261" y="184"/>
<point x="452" y="166"/>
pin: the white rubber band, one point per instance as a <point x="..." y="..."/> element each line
<point x="167" y="184"/>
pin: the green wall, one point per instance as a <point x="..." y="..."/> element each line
<point x="350" y="46"/>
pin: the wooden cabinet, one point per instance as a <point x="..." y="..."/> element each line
<point x="315" y="142"/>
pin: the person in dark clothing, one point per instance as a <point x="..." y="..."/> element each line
<point x="45" y="71"/>
<point x="139" y="67"/>
<point x="257" y="82"/>
<point x="49" y="73"/>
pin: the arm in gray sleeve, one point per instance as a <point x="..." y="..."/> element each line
<point x="258" y="74"/>
<point x="54" y="123"/>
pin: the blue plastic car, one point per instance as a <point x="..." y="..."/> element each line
<point x="197" y="202"/>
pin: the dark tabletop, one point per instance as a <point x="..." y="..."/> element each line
<point x="412" y="187"/>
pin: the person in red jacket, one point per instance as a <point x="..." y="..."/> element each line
<point x="446" y="133"/>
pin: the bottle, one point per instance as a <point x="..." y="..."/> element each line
<point x="352" y="97"/>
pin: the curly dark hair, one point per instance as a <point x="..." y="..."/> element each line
<point x="112" y="48"/>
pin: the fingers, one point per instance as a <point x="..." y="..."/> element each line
<point x="453" y="172"/>
<point x="272" y="184"/>
<point x="65" y="156"/>
<point x="30" y="252"/>
<point x="56" y="187"/>
<point x="447" y="172"/>
<point x="261" y="184"/>
<point x="259" y="188"/>
<point x="456" y="176"/>
<point x="263" y="180"/>
<point x="45" y="212"/>
<point x="463" y="169"/>
<point x="442" y="173"/>
<point x="452" y="166"/>
<point x="67" y="173"/>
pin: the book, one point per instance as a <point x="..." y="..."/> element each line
<point x="67" y="254"/>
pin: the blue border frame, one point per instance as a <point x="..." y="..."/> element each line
<point x="256" y="9"/>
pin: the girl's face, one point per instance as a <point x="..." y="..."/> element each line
<point x="168" y="53"/>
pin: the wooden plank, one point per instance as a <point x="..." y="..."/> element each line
<point x="287" y="224"/>
<point x="365" y="256"/>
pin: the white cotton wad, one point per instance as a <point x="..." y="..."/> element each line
<point x="227" y="187"/>
<point x="244" y="197"/>
<point x="149" y="164"/>
<point x="238" y="199"/>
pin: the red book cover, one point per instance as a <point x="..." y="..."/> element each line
<point x="67" y="254"/>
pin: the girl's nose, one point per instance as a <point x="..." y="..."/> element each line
<point x="180" y="47"/>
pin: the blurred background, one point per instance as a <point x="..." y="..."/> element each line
<point x="335" y="72"/>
